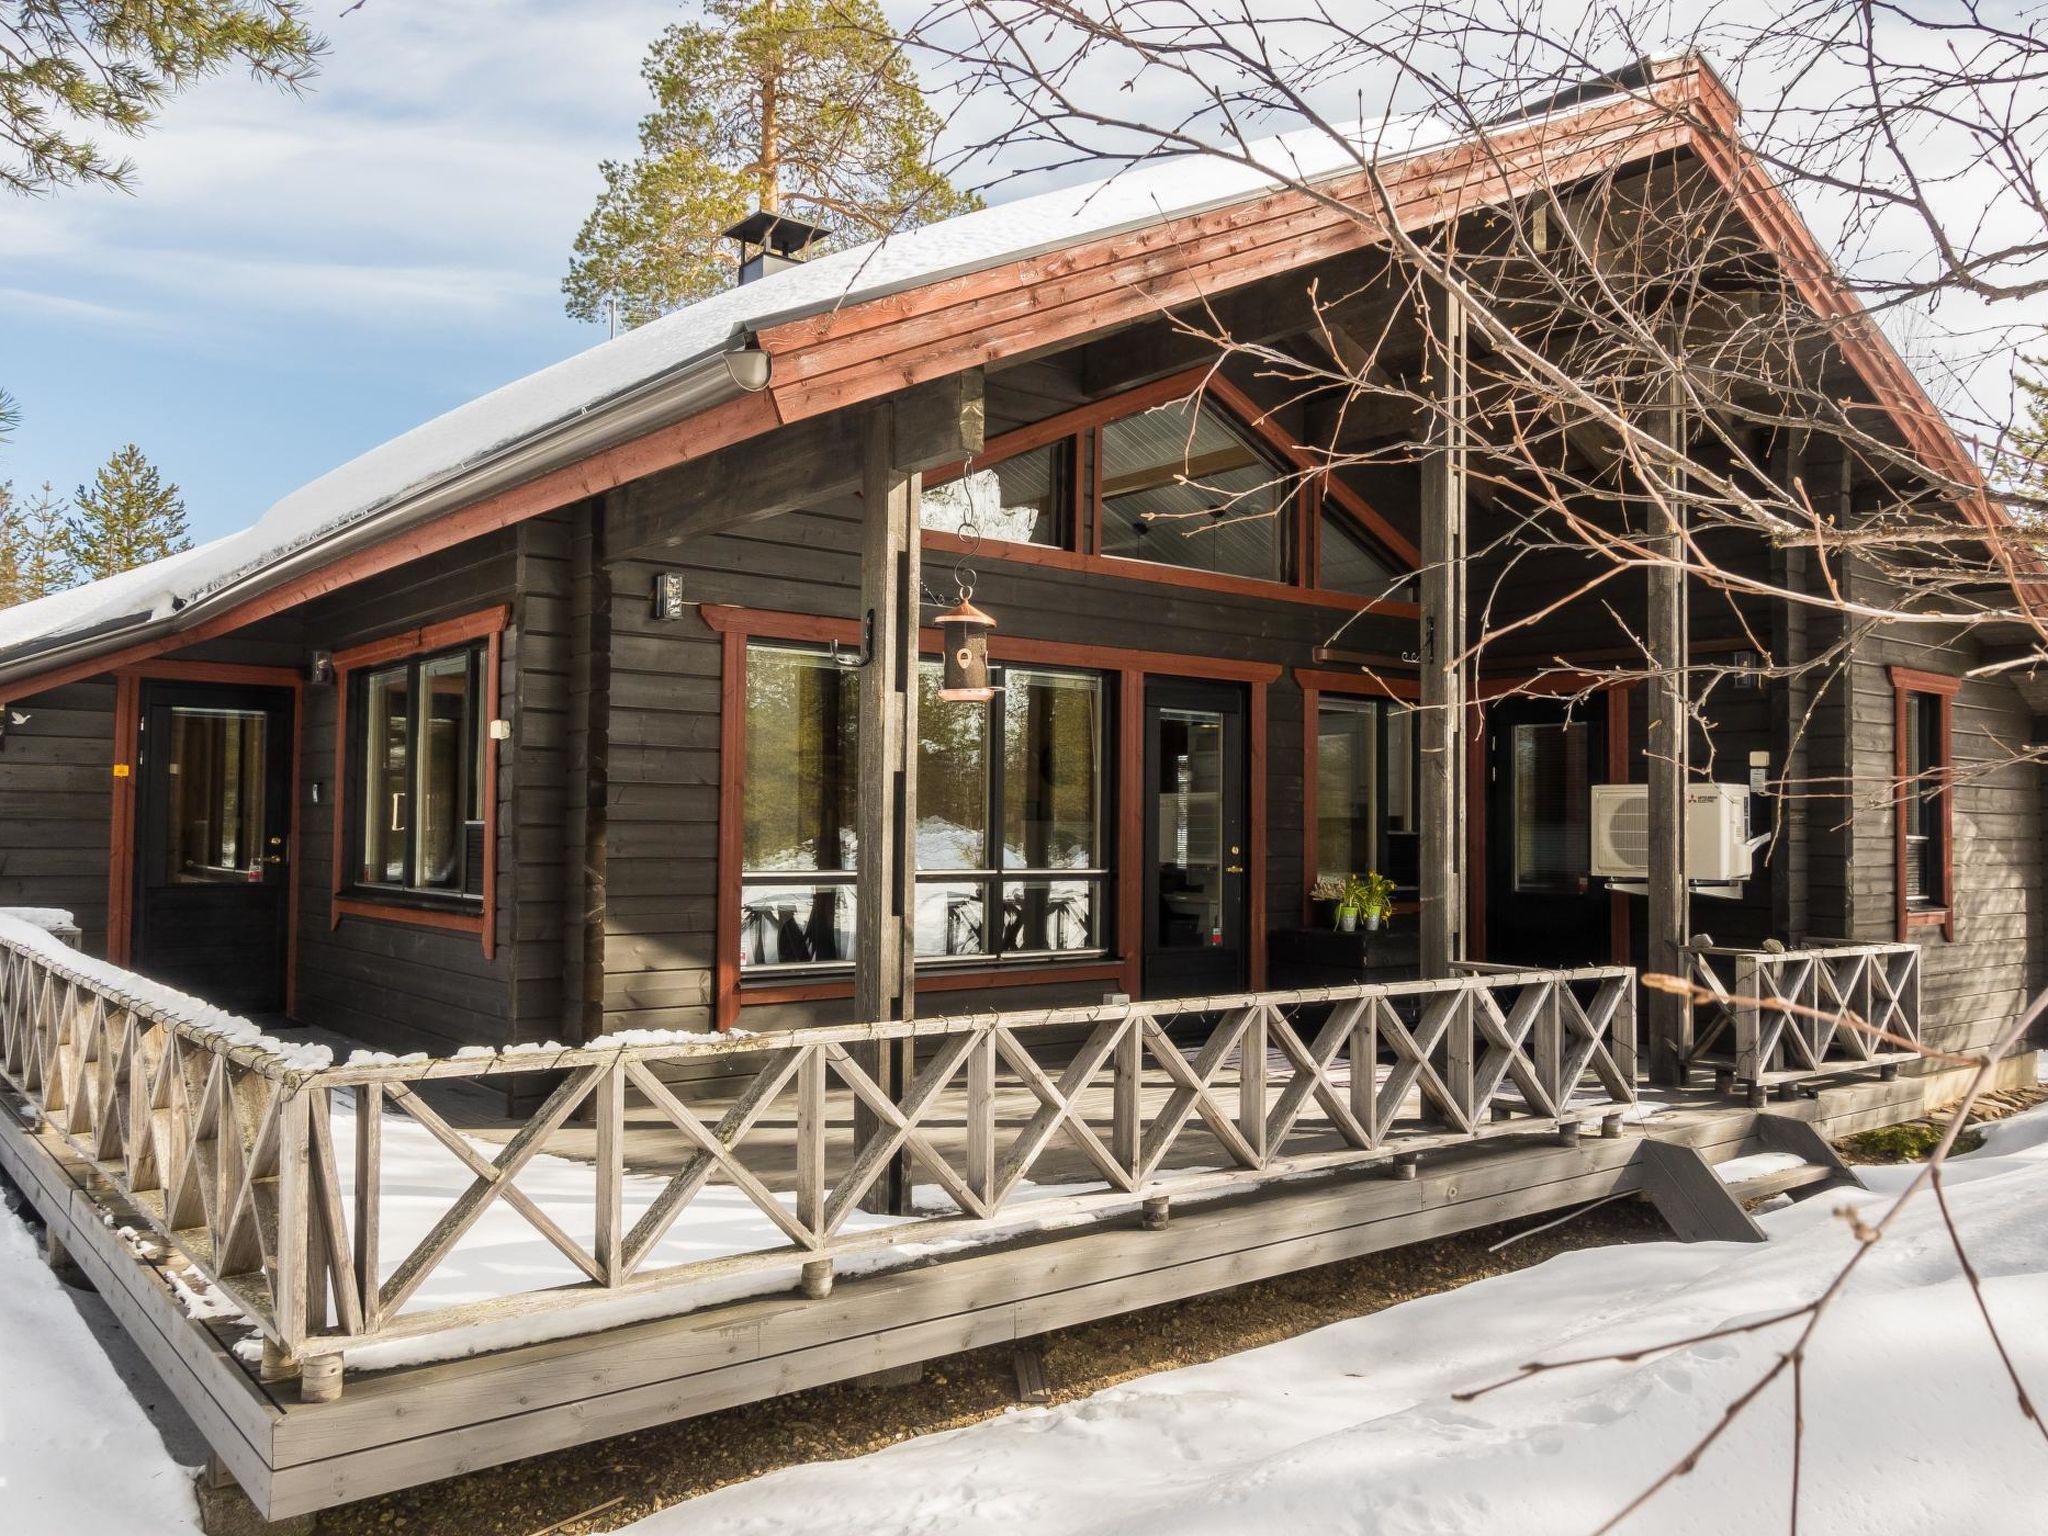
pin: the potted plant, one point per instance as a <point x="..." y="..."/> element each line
<point x="1323" y="897"/>
<point x="1350" y="904"/>
<point x="1373" y="897"/>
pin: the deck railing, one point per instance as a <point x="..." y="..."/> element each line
<point x="1770" y="1015"/>
<point x="238" y="1160"/>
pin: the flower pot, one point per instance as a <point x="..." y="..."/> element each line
<point x="1347" y="922"/>
<point x="1372" y="922"/>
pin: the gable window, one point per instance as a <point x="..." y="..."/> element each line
<point x="1923" y="715"/>
<point x="1023" y="499"/>
<point x="418" y="789"/>
<point x="1010" y="823"/>
<point x="1365" y="790"/>
<point x="1184" y="482"/>
<point x="1182" y="485"/>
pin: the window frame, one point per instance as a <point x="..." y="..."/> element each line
<point x="352" y="897"/>
<point x="995" y="873"/>
<point x="1123" y="969"/>
<point x="1935" y="782"/>
<point x="1315" y="495"/>
<point x="1314" y="684"/>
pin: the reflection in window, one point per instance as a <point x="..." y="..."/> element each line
<point x="1347" y="562"/>
<point x="419" y="806"/>
<point x="1926" y="864"/>
<point x="802" y="744"/>
<point x="1365" y="790"/>
<point x="1553" y="797"/>
<point x="1022" y="500"/>
<point x="1181" y="486"/>
<point x="1035" y="888"/>
<point x="215" y="827"/>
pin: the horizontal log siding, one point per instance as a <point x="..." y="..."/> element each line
<point x="56" y="799"/>
<point x="1971" y="986"/>
<point x="664" y="764"/>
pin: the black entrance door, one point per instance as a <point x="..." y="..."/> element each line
<point x="212" y="859"/>
<point x="1542" y="905"/>
<point x="1195" y="843"/>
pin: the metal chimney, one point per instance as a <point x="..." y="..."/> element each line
<point x="769" y="242"/>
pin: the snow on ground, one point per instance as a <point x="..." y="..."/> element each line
<point x="1911" y="1427"/>
<point x="77" y="1455"/>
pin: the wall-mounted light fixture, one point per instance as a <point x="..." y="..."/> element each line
<point x="669" y="598"/>
<point x="320" y="668"/>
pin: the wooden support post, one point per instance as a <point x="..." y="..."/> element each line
<point x="1155" y="1212"/>
<point x="609" y="1243"/>
<point x="815" y="1279"/>
<point x="1443" y="697"/>
<point x="1668" y="917"/>
<point x="320" y="1379"/>
<point x="62" y="1265"/>
<point x="884" y="985"/>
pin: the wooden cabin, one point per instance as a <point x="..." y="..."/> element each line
<point x="612" y="702"/>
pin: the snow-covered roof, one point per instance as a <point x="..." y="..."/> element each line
<point x="580" y="387"/>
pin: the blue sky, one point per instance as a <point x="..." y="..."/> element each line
<point x="295" y="280"/>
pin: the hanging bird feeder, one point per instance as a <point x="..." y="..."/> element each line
<point x="963" y="641"/>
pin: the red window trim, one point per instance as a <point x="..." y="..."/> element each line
<point x="737" y="626"/>
<point x="1907" y="682"/>
<point x="488" y="625"/>
<point x="1082" y="425"/>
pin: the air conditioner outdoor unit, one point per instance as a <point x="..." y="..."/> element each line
<point x="1717" y="841"/>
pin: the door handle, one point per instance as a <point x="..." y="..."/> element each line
<point x="1233" y="869"/>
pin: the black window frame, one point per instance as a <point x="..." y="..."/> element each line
<point x="479" y="710"/>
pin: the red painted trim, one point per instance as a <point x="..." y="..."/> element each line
<point x="1942" y="688"/>
<point x="410" y="916"/>
<point x="1118" y="568"/>
<point x="1314" y="679"/>
<point x="128" y="683"/>
<point x="488" y="625"/>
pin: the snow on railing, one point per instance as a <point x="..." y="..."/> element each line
<point x="332" y="1201"/>
<point x="1775" y="1014"/>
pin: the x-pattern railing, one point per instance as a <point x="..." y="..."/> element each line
<point x="230" y="1154"/>
<point x="1764" y="1014"/>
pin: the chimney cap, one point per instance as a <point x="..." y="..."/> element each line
<point x="777" y="232"/>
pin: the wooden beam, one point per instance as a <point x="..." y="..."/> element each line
<point x="1669" y="916"/>
<point x="885" y="936"/>
<point x="807" y="464"/>
<point x="1442" y="683"/>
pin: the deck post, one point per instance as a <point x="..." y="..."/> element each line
<point x="884" y="979"/>
<point x="1443" y="698"/>
<point x="1669" y="918"/>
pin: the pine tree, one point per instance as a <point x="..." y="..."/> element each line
<point x="127" y="517"/>
<point x="33" y="562"/>
<point x="803" y="107"/>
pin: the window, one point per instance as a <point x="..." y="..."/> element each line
<point x="419" y="802"/>
<point x="1181" y="485"/>
<point x="1922" y="758"/>
<point x="1024" y="499"/>
<point x="798" y="847"/>
<point x="1010" y="833"/>
<point x="1553" y="797"/>
<point x="1346" y="562"/>
<point x="1365" y="790"/>
<point x="214" y="832"/>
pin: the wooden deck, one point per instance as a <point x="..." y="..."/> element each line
<point x="400" y="1427"/>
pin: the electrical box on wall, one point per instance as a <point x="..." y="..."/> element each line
<point x="1718" y="848"/>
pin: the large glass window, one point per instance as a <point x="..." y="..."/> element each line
<point x="1553" y="798"/>
<point x="1181" y="485"/>
<point x="1365" y="790"/>
<point x="1024" y="499"/>
<point x="1009" y="819"/>
<point x="419" y="808"/>
<point x="1346" y="562"/>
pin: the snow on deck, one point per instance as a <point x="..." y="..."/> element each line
<point x="1353" y="1428"/>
